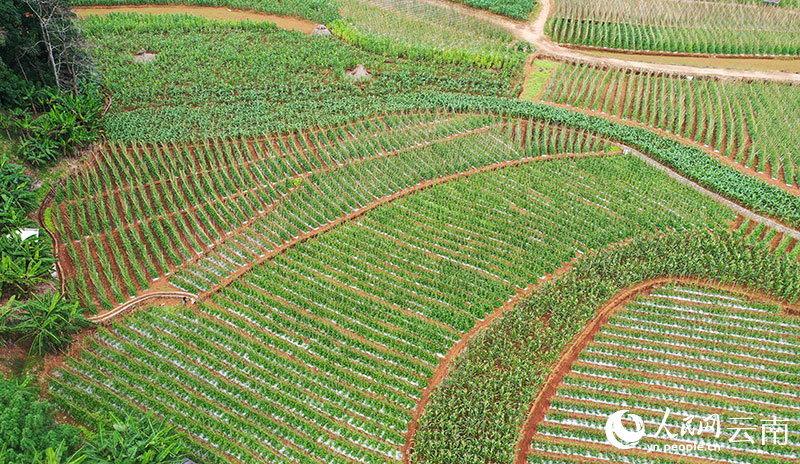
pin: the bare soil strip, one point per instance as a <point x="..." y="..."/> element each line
<point x="208" y="12"/>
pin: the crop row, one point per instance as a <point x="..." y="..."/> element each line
<point x="677" y="26"/>
<point x="414" y="30"/>
<point x="319" y="354"/>
<point x="211" y="208"/>
<point x="695" y="358"/>
<point x="141" y="212"/>
<point x="323" y="200"/>
<point x="478" y="412"/>
<point x="746" y="122"/>
<point x="762" y="235"/>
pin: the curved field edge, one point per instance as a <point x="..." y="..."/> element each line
<point x="478" y="412"/>
<point x="707" y="372"/>
<point x="691" y="162"/>
<point x="523" y="218"/>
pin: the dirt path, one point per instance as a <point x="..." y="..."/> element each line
<point x="570" y="353"/>
<point x="184" y="296"/>
<point x="533" y="32"/>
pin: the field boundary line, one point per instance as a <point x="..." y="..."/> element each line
<point x="452" y="354"/>
<point x="762" y="176"/>
<point x="736" y="207"/>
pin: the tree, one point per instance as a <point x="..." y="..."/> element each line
<point x="22" y="61"/>
<point x="63" y="44"/>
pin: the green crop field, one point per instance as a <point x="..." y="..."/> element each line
<point x="210" y="79"/>
<point x="678" y="26"/>
<point x="749" y="123"/>
<point x="413" y="29"/>
<point x="742" y="361"/>
<point x="352" y="301"/>
<point x="398" y="231"/>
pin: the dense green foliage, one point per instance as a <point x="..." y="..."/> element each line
<point x="321" y="352"/>
<point x="21" y="56"/>
<point x="23" y="264"/>
<point x="134" y="439"/>
<point x="37" y="54"/>
<point x="676" y="26"/>
<point x="55" y="123"/>
<point x="27" y="427"/>
<point x="477" y="412"/>
<point x="47" y="321"/>
<point x="709" y="348"/>
<point x="208" y="79"/>
<point x="16" y="197"/>
<point x="752" y="123"/>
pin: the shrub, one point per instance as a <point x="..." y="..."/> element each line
<point x="62" y="123"/>
<point x="24" y="263"/>
<point x="16" y="197"/>
<point x="48" y="321"/>
<point x="27" y="427"/>
<point x="135" y="440"/>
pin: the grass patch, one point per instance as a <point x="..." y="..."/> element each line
<point x="536" y="79"/>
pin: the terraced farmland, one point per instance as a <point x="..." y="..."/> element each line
<point x="321" y="353"/>
<point x="213" y="207"/>
<point x="408" y="28"/>
<point x="362" y="239"/>
<point x="747" y="122"/>
<point x="677" y="26"/>
<point x="288" y="82"/>
<point x="695" y="351"/>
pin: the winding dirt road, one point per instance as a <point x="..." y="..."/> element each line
<point x="533" y="32"/>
